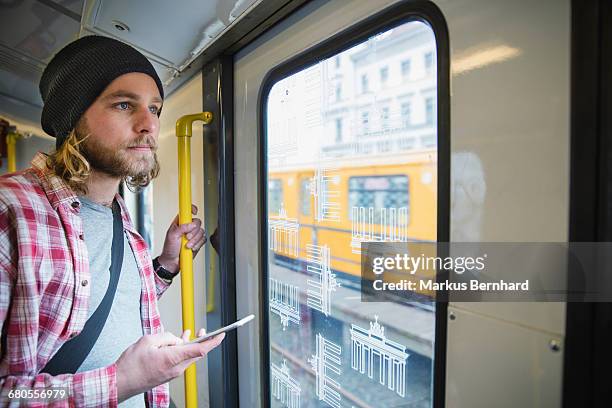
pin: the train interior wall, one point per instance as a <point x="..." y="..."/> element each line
<point x="510" y="149"/>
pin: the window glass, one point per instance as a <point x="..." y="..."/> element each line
<point x="339" y="175"/>
<point x="429" y="63"/>
<point x="365" y="122"/>
<point x="384" y="75"/>
<point x="406" y="68"/>
<point x="338" y="130"/>
<point x="384" y="118"/>
<point x="275" y="195"/>
<point x="378" y="192"/>
<point x="305" y="197"/>
<point x="406" y="111"/>
<point x="429" y="110"/>
<point x="364" y="83"/>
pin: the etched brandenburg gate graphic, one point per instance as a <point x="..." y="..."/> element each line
<point x="284" y="387"/>
<point x="283" y="233"/>
<point x="368" y="345"/>
<point x="284" y="301"/>
<point x="382" y="225"/>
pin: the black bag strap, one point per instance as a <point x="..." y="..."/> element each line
<point x="72" y="353"/>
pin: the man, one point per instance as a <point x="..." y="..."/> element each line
<point x="102" y="101"/>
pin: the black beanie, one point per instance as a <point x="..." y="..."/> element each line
<point x="79" y="73"/>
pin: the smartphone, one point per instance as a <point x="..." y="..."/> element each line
<point x="232" y="326"/>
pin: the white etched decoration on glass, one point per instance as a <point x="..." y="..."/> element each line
<point x="368" y="345"/>
<point x="284" y="387"/>
<point x="283" y="109"/>
<point x="320" y="290"/>
<point x="326" y="199"/>
<point x="326" y="362"/>
<point x="284" y="233"/>
<point x="314" y="103"/>
<point x="384" y="225"/>
<point x="282" y="139"/>
<point x="284" y="302"/>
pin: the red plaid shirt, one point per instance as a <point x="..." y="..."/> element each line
<point x="44" y="289"/>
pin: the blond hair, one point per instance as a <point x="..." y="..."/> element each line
<point x="69" y="163"/>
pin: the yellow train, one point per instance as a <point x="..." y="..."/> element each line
<point x="402" y="191"/>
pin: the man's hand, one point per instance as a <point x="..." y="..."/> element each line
<point x="156" y="359"/>
<point x="196" y="238"/>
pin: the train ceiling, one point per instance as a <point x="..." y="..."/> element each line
<point x="174" y="35"/>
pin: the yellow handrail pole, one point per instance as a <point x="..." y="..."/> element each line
<point x="11" y="141"/>
<point x="183" y="133"/>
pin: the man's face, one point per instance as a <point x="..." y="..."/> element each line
<point x="123" y="127"/>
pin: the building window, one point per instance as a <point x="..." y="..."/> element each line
<point x="429" y="110"/>
<point x="365" y="122"/>
<point x="364" y="83"/>
<point x="338" y="92"/>
<point x="406" y="69"/>
<point x="406" y="112"/>
<point x="338" y="130"/>
<point x="337" y="61"/>
<point x="429" y="63"/>
<point x="384" y="118"/>
<point x="384" y="75"/>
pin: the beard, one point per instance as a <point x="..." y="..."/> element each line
<point x="119" y="161"/>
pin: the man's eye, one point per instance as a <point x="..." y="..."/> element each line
<point x="153" y="109"/>
<point x="123" y="105"/>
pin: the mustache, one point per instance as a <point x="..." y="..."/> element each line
<point x="145" y="141"/>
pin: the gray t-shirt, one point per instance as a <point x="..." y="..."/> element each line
<point x="124" y="325"/>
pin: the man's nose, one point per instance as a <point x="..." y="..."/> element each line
<point x="146" y="122"/>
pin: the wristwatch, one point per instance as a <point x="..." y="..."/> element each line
<point x="163" y="272"/>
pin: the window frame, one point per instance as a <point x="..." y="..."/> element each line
<point x="386" y="19"/>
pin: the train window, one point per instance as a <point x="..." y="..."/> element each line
<point x="275" y="195"/>
<point x="305" y="197"/>
<point x="356" y="163"/>
<point x="378" y="192"/>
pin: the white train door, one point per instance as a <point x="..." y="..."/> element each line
<point x="414" y="121"/>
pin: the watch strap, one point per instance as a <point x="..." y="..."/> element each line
<point x="161" y="271"/>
